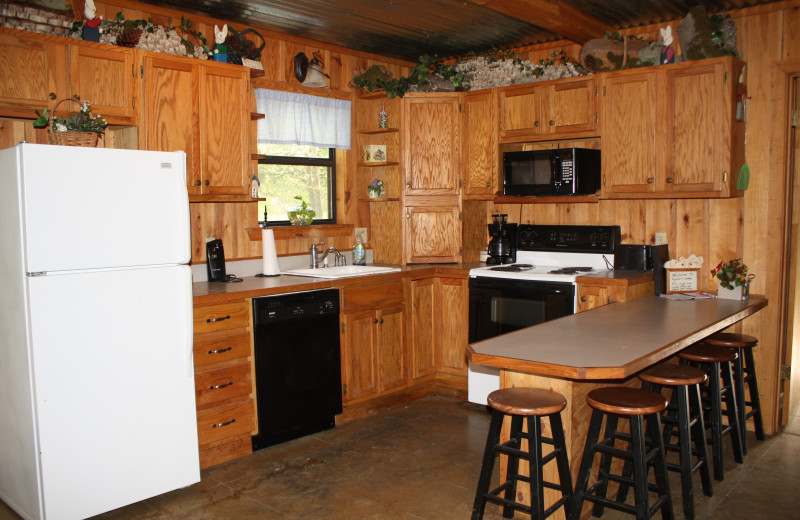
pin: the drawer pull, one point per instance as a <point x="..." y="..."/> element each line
<point x="220" y="425"/>
<point x="217" y="387"/>
<point x="583" y="299"/>
<point x="223" y="318"/>
<point x="219" y="351"/>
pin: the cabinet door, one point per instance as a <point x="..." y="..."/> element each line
<point x="391" y="347"/>
<point x="592" y="296"/>
<point x="571" y="106"/>
<point x="432" y="234"/>
<point x="422" y="334"/>
<point x="629" y="134"/>
<point x="104" y="78"/>
<point x="171" y="112"/>
<point x="432" y="147"/>
<point x="359" y="376"/>
<point x="520" y="112"/>
<point x="479" y="150"/>
<point x="453" y="314"/>
<point x="695" y="128"/>
<point x="224" y="130"/>
<point x="34" y="74"/>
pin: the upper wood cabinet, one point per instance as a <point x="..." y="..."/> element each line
<point x="33" y="73"/>
<point x="200" y="108"/>
<point x="479" y="144"/>
<point x="548" y="110"/>
<point x="431" y="145"/>
<point x="671" y="131"/>
<point x="106" y="78"/>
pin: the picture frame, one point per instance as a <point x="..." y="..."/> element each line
<point x="682" y="280"/>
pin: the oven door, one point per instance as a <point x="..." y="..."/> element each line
<point x="500" y="305"/>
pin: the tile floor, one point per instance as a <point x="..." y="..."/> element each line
<point x="421" y="461"/>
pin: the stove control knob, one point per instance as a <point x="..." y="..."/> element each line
<point x="327" y="306"/>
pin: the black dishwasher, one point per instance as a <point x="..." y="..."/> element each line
<point x="297" y="365"/>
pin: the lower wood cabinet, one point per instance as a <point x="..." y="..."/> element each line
<point x="372" y="340"/>
<point x="224" y="382"/>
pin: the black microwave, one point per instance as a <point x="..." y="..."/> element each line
<point x="562" y="171"/>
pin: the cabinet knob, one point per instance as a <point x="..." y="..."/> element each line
<point x="376" y="320"/>
<point x="552" y="123"/>
<point x="197" y="183"/>
<point x="52" y="96"/>
<point x="381" y="322"/>
<point x="536" y="123"/>
<point x="669" y="180"/>
<point x="408" y="186"/>
<point x="583" y="299"/>
<point x="650" y="180"/>
<point x="207" y="182"/>
<point x="408" y="215"/>
<point x="488" y="184"/>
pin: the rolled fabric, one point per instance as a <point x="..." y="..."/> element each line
<point x="269" y="261"/>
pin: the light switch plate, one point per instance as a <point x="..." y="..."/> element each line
<point x="661" y="238"/>
<point x="363" y="232"/>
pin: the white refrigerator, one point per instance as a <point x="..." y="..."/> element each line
<point x="97" y="406"/>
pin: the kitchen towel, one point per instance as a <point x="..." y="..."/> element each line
<point x="269" y="262"/>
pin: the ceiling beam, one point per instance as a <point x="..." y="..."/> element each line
<point x="554" y="16"/>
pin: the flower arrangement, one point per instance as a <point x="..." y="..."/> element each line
<point x="376" y="188"/>
<point x="731" y="273"/>
<point x="301" y="214"/>
<point x="82" y="121"/>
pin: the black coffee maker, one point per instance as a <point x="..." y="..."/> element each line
<point x="502" y="246"/>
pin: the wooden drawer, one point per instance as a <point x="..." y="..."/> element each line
<point x="220" y="347"/>
<point x="223" y="383"/>
<point x="224" y="316"/>
<point x="370" y="297"/>
<point x="226" y="421"/>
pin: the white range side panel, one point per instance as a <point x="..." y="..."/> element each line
<point x="114" y="387"/>
<point x="96" y="208"/>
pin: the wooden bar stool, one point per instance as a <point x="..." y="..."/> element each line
<point x="645" y="448"/>
<point x="533" y="404"/>
<point x="685" y="412"/>
<point x="744" y="375"/>
<point x="716" y="362"/>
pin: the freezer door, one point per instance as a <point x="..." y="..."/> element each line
<point x="87" y="208"/>
<point x="114" y="387"/>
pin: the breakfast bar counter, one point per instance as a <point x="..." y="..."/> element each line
<point x="606" y="346"/>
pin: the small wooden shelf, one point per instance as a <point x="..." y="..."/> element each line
<point x="223" y="198"/>
<point x="591" y="199"/>
<point x="256" y="73"/>
<point x="255" y="115"/>
<point x="379" y="131"/>
<point x="257" y="156"/>
<point x="379" y="199"/>
<point x="377" y="164"/>
<point x="290" y="232"/>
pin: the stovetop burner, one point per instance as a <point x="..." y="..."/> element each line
<point x="571" y="270"/>
<point x="514" y="268"/>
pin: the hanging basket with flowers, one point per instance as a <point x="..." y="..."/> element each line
<point x="79" y="129"/>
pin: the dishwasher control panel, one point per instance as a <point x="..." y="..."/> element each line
<point x="270" y="309"/>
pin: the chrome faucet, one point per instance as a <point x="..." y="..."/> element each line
<point x="316" y="258"/>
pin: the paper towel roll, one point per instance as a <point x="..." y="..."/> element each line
<point x="269" y="262"/>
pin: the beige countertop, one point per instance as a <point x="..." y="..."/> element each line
<point x="614" y="341"/>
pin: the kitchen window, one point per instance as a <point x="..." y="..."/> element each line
<point x="289" y="170"/>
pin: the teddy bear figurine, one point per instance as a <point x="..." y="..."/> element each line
<point x="220" y="49"/>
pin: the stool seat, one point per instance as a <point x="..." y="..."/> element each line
<point x="731" y="340"/>
<point x="526" y="401"/>
<point x="704" y="353"/>
<point x="623" y="400"/>
<point x="673" y="375"/>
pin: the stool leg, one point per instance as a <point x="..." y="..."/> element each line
<point x="605" y="462"/>
<point x="699" y="430"/>
<point x="535" y="465"/>
<point x="716" y="419"/>
<point x="562" y="461"/>
<point x="685" y="449"/>
<point x="659" y="468"/>
<point x="586" y="465"/>
<point x="738" y="377"/>
<point x="512" y="469"/>
<point x="492" y="440"/>
<point x="732" y="413"/>
<point x="640" y="468"/>
<point x="755" y="400"/>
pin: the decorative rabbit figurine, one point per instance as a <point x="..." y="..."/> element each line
<point x="667" y="53"/>
<point x="220" y="49"/>
<point x="91" y="27"/>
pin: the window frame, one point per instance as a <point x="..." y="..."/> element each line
<point x="330" y="163"/>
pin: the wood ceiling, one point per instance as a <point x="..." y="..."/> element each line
<point x="407" y="29"/>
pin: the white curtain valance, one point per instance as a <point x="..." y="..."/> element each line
<point x="303" y="119"/>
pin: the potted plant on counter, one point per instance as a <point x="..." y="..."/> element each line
<point x="734" y="282"/>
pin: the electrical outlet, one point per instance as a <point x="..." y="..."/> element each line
<point x="363" y="232"/>
<point x="661" y="238"/>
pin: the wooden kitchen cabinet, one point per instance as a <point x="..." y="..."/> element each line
<point x="224" y="381"/>
<point x="480" y="164"/>
<point x="453" y="314"/>
<point x="433" y="232"/>
<point x="548" y="110"/>
<point x="373" y="340"/>
<point x="201" y="108"/>
<point x="671" y="132"/>
<point x="422" y="328"/>
<point x="106" y="78"/>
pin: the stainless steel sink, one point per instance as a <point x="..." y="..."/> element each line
<point x="342" y="271"/>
